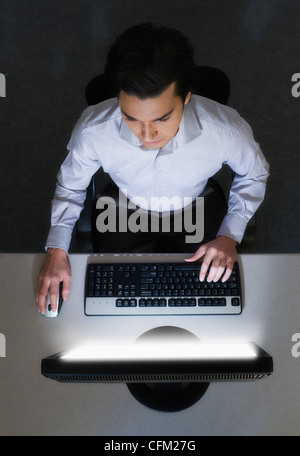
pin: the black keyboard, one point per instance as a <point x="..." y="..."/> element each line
<point x="158" y="289"/>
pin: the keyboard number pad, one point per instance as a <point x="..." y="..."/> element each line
<point x="101" y="281"/>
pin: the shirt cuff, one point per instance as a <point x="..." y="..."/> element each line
<point x="59" y="237"/>
<point x="233" y="226"/>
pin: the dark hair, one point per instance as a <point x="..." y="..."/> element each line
<point x="145" y="59"/>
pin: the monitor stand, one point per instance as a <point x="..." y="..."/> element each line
<point x="167" y="396"/>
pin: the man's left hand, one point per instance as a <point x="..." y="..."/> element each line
<point x="220" y="253"/>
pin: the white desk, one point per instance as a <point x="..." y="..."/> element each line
<point x="30" y="404"/>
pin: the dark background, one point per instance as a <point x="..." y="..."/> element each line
<point x="49" y="50"/>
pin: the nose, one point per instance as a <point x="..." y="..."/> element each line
<point x="149" y="132"/>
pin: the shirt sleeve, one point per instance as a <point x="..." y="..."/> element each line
<point x="248" y="188"/>
<point x="72" y="180"/>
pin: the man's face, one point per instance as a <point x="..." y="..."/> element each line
<point x="154" y="121"/>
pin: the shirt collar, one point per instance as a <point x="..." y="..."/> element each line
<point x="190" y="128"/>
<point x="190" y="124"/>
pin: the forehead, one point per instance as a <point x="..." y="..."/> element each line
<point x="149" y="109"/>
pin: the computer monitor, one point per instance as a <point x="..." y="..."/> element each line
<point x="167" y="368"/>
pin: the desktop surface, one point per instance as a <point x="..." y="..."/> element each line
<point x="31" y="404"/>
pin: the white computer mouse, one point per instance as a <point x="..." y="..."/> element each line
<point x="49" y="312"/>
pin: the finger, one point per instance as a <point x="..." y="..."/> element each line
<point x="219" y="271"/>
<point x="54" y="290"/>
<point x="213" y="271"/>
<point x="66" y="285"/>
<point x="41" y="304"/>
<point x="228" y="271"/>
<point x="204" y="267"/>
<point x="40" y="295"/>
<point x="198" y="254"/>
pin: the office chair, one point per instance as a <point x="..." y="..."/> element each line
<point x="211" y="83"/>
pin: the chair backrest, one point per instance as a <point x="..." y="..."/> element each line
<point x="98" y="90"/>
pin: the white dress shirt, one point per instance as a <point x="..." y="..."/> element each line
<point x="209" y="135"/>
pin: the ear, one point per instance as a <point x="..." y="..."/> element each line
<point x="188" y="97"/>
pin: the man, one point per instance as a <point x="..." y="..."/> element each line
<point x="155" y="138"/>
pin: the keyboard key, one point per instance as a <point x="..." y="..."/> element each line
<point x="235" y="301"/>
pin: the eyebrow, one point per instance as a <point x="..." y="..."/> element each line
<point x="155" y="120"/>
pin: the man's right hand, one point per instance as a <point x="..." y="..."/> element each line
<point x="55" y="269"/>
